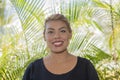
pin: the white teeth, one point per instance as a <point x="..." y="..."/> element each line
<point x="57" y="43"/>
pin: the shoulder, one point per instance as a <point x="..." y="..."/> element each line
<point x="33" y="65"/>
<point x="36" y="62"/>
<point x="83" y="60"/>
<point x="88" y="66"/>
<point x="32" y="68"/>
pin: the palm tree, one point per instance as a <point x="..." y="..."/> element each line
<point x="84" y="15"/>
<point x="21" y="47"/>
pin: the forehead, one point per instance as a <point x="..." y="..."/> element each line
<point x="55" y="24"/>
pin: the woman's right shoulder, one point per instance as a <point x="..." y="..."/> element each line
<point x="36" y="62"/>
<point x="32" y="68"/>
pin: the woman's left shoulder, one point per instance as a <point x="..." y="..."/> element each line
<point x="87" y="65"/>
<point x="85" y="60"/>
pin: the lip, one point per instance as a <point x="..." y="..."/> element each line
<point x="58" y="43"/>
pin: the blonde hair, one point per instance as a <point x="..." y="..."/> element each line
<point x="60" y="17"/>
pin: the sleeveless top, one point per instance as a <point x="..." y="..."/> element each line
<point x="84" y="70"/>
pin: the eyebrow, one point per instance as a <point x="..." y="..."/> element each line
<point x="51" y="28"/>
<point x="59" y="28"/>
<point x="63" y="28"/>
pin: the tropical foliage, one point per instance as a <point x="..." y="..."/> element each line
<point x="95" y="25"/>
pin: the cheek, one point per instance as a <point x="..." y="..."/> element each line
<point x="48" y="39"/>
<point x="67" y="37"/>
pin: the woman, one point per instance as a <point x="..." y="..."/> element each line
<point x="59" y="64"/>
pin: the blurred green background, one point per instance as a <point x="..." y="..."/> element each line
<point x="96" y="34"/>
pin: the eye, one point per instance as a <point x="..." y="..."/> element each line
<point x="63" y="31"/>
<point x="50" y="32"/>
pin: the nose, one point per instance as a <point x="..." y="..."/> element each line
<point x="57" y="35"/>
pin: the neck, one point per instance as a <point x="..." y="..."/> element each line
<point x="60" y="57"/>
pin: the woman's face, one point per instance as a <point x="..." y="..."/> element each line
<point x="57" y="36"/>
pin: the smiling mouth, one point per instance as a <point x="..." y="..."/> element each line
<point x="58" y="43"/>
